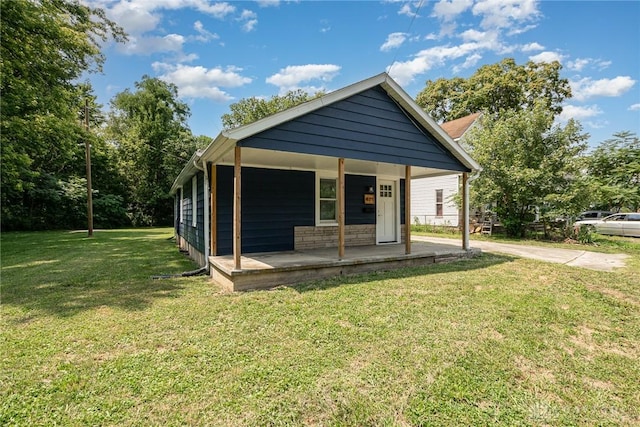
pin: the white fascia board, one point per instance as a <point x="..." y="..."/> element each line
<point x="217" y="148"/>
<point x="302" y="109"/>
<point x="396" y="92"/>
<point x="186" y="173"/>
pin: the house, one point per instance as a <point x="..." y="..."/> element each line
<point x="432" y="197"/>
<point x="334" y="172"/>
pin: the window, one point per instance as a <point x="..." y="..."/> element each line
<point x="439" y="212"/>
<point x="327" y="200"/>
<point x="194" y="201"/>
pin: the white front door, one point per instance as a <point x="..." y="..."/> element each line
<point x="386" y="205"/>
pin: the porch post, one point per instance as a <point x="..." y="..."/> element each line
<point x="407" y="209"/>
<point x="465" y="211"/>
<point x="213" y="224"/>
<point x="237" y="217"/>
<point x="341" y="208"/>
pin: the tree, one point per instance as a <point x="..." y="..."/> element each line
<point x="495" y="88"/>
<point x="614" y="172"/>
<point x="46" y="46"/>
<point x="249" y="110"/>
<point x="526" y="160"/>
<point x="149" y="132"/>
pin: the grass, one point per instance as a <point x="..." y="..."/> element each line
<point x="88" y="338"/>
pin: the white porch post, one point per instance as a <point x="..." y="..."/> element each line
<point x="237" y="217"/>
<point x="407" y="209"/>
<point x="340" y="208"/>
<point x="465" y="211"/>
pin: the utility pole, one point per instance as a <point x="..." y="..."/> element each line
<point x="87" y="151"/>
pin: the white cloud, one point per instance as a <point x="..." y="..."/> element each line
<point x="547" y="57"/>
<point x="203" y="34"/>
<point x="268" y="3"/>
<point x="519" y="30"/>
<point x="471" y="61"/>
<point x="293" y="76"/>
<point x="532" y="47"/>
<point x="405" y="72"/>
<point x="579" y="112"/>
<point x="406" y="9"/>
<point x="486" y="37"/>
<point x="634" y="107"/>
<point x="447" y="10"/>
<point x="394" y="40"/>
<point x="505" y="13"/>
<point x="587" y="88"/>
<point x="200" y="82"/>
<point x="578" y="64"/>
<point x="140" y="16"/>
<point x="134" y="17"/>
<point x="250" y="19"/>
<point x="149" y="45"/>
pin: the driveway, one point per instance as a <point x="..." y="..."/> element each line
<point x="572" y="257"/>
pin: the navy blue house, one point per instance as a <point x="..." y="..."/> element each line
<point x="332" y="172"/>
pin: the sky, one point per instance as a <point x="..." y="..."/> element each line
<point x="217" y="53"/>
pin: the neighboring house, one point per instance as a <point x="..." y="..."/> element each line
<point x="277" y="184"/>
<point x="431" y="198"/>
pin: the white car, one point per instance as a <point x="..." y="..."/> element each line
<point x="620" y="224"/>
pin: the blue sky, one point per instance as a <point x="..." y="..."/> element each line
<point x="220" y="52"/>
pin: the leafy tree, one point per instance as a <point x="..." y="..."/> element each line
<point x="495" y="88"/>
<point x="148" y="129"/>
<point x="526" y="160"/>
<point x="249" y="110"/>
<point x="46" y="45"/>
<point x="614" y="172"/>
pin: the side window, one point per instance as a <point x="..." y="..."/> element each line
<point x="439" y="209"/>
<point x="327" y="201"/>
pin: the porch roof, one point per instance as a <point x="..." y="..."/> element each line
<point x="219" y="151"/>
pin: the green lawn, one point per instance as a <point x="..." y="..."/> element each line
<point x="88" y="338"/>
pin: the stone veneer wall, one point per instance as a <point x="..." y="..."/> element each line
<point x="327" y="237"/>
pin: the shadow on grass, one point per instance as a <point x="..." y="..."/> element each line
<point x="483" y="261"/>
<point x="65" y="273"/>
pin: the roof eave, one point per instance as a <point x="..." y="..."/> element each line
<point x="186" y="173"/>
<point x="397" y="93"/>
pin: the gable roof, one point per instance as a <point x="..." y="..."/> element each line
<point x="458" y="127"/>
<point x="228" y="139"/>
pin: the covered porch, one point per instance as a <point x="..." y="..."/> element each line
<point x="269" y="269"/>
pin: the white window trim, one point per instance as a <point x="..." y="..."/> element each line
<point x="194" y="201"/>
<point x="320" y="176"/>
<point x="441" y="202"/>
<point x="181" y="205"/>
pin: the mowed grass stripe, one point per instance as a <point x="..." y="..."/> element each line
<point x="89" y="338"/>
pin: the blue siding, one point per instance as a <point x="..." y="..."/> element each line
<point x="273" y="203"/>
<point x="355" y="211"/>
<point x="367" y="126"/>
<point x="193" y="235"/>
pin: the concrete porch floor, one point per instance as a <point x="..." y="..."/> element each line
<point x="269" y="269"/>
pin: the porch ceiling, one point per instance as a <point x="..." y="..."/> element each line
<point x="253" y="157"/>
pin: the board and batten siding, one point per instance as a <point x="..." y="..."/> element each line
<point x="367" y="126"/>
<point x="423" y="200"/>
<point x="192" y="235"/>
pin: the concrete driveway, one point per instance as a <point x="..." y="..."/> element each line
<point x="574" y="258"/>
